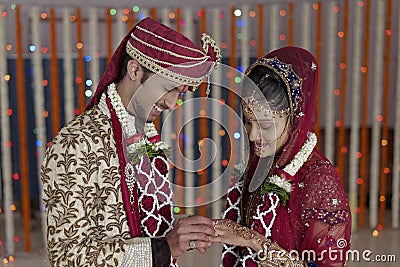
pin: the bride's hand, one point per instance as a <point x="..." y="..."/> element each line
<point x="232" y="233"/>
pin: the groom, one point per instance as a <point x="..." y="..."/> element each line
<point x="105" y="176"/>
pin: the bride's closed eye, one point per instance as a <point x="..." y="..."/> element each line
<point x="266" y="125"/>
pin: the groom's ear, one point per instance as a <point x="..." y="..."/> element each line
<point x="134" y="70"/>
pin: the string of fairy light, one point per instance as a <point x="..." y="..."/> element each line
<point x="351" y="152"/>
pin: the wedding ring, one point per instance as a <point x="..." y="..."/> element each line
<point x="192" y="245"/>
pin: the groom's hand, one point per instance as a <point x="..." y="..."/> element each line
<point x="190" y="232"/>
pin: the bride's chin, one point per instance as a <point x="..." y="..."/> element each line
<point x="262" y="153"/>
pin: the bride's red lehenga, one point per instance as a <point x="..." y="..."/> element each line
<point x="315" y="224"/>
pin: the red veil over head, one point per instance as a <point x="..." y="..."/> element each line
<point x="317" y="215"/>
<point x="298" y="69"/>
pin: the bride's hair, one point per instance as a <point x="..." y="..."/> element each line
<point x="271" y="86"/>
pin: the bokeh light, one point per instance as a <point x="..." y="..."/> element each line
<point x="237" y="12"/>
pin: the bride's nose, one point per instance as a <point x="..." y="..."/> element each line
<point x="254" y="133"/>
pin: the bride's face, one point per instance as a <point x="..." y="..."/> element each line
<point x="268" y="132"/>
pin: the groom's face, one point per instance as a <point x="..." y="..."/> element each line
<point x="155" y="95"/>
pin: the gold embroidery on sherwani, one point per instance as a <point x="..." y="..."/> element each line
<point x="87" y="225"/>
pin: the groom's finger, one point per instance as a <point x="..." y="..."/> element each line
<point x="203" y="244"/>
<point x="199" y="220"/>
<point x="195" y="225"/>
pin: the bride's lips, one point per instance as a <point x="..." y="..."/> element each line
<point x="261" y="145"/>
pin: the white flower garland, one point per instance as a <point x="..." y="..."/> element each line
<point x="281" y="182"/>
<point x="128" y="128"/>
<point x="128" y="124"/>
<point x="150" y="131"/>
<point x="141" y="144"/>
<point x="292" y="168"/>
<point x="297" y="162"/>
<point x="301" y="157"/>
